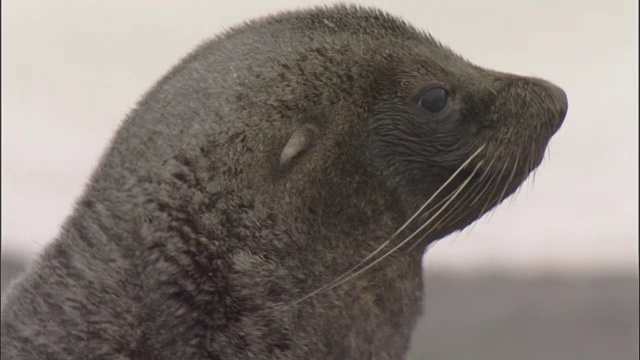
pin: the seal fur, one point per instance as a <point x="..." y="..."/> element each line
<point x="272" y="196"/>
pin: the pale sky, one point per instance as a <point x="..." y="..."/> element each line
<point x="72" y="69"/>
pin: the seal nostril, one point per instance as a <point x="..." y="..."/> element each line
<point x="560" y="98"/>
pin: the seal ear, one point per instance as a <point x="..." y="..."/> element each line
<point x="301" y="140"/>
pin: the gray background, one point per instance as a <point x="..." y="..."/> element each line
<point x="549" y="275"/>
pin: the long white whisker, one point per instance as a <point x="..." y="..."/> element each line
<point x="408" y="238"/>
<point x="488" y="170"/>
<point x="452" y="197"/>
<point x="417" y="213"/>
<point x="495" y="187"/>
<point x="511" y="177"/>
<point x="459" y="205"/>
<point x="507" y="184"/>
<point x="339" y="280"/>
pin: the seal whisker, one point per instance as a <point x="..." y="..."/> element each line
<point x="532" y="163"/>
<point x="511" y="178"/>
<point x="457" y="207"/>
<point x="532" y="167"/>
<point x="488" y="178"/>
<point x="338" y="280"/>
<point x="444" y="203"/>
<point x="497" y="178"/>
<point x="507" y="183"/>
<point x="485" y="179"/>
<point x="426" y="203"/>
<point x="518" y="188"/>
<point x="454" y="195"/>
<point x="417" y="213"/>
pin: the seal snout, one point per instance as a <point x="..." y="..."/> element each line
<point x="559" y="98"/>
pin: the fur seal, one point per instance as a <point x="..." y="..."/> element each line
<point x="272" y="196"/>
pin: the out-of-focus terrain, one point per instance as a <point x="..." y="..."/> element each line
<point x="502" y="317"/>
<point x="507" y="317"/>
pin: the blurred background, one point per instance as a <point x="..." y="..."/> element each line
<point x="551" y="274"/>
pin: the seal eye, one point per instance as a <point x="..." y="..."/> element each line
<point x="435" y="100"/>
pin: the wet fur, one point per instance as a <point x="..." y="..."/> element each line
<point x="194" y="241"/>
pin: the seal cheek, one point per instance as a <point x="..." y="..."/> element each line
<point x="301" y="140"/>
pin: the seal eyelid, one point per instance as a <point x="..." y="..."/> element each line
<point x="435" y="100"/>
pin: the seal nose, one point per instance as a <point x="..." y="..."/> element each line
<point x="559" y="98"/>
